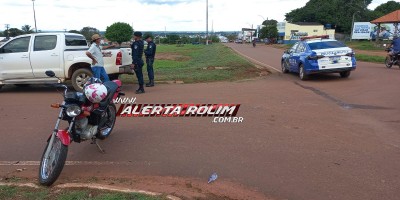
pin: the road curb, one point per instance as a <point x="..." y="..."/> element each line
<point x="92" y="186"/>
<point x="255" y="61"/>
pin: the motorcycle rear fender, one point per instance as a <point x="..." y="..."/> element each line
<point x="64" y="137"/>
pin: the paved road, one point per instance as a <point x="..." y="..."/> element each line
<point x="327" y="138"/>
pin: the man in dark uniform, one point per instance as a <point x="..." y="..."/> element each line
<point x="137" y="61"/>
<point x="150" y="52"/>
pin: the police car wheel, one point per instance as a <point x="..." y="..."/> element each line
<point x="284" y="67"/>
<point x="302" y="74"/>
<point x="345" y="74"/>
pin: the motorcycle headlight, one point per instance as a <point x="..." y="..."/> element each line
<point x="73" y="110"/>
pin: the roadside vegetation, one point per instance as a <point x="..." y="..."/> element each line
<point x="198" y="63"/>
<point x="366" y="45"/>
<point x="370" y="58"/>
<point x="26" y="193"/>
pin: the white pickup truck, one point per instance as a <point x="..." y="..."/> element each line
<point x="24" y="59"/>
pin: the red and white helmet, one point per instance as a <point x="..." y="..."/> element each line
<point x="95" y="92"/>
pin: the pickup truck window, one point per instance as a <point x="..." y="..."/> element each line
<point x="45" y="42"/>
<point x="17" y="45"/>
<point x="75" y="40"/>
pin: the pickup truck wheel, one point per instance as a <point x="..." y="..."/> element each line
<point x="345" y="74"/>
<point x="302" y="74"/>
<point x="79" y="78"/>
<point x="113" y="76"/>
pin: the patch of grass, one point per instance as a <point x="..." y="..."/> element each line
<point x="214" y="62"/>
<point x="365" y="45"/>
<point x="7" y="192"/>
<point x="73" y="195"/>
<point x="369" y="58"/>
<point x="26" y="193"/>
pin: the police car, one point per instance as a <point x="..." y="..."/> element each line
<point x="318" y="54"/>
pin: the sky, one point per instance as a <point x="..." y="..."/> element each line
<point x="146" y="15"/>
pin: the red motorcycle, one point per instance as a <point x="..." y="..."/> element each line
<point x="91" y="115"/>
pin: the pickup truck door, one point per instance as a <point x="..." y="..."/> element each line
<point x="14" y="59"/>
<point x="46" y="55"/>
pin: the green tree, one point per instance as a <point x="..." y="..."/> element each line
<point x="119" y="32"/>
<point x="13" y="32"/>
<point x="26" y="29"/>
<point x="386" y="8"/>
<point x="270" y="29"/>
<point x="231" y="37"/>
<point x="172" y="38"/>
<point x="74" y="31"/>
<point x="148" y="34"/>
<point x="214" y="39"/>
<point x="2" y="34"/>
<point x="88" y="32"/>
<point x="336" y="12"/>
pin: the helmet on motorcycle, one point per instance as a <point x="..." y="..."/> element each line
<point x="95" y="92"/>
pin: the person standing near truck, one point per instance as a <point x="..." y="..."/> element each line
<point x="137" y="61"/>
<point x="96" y="55"/>
<point x="150" y="53"/>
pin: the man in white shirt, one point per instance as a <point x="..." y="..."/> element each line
<point x="96" y="55"/>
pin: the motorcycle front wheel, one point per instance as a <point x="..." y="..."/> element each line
<point x="51" y="167"/>
<point x="388" y="62"/>
<point x="106" y="126"/>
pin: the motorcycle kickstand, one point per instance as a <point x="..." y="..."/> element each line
<point x="94" y="141"/>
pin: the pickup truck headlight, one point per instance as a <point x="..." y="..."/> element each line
<point x="73" y="110"/>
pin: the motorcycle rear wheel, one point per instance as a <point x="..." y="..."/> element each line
<point x="388" y="62"/>
<point x="51" y="167"/>
<point x="106" y="127"/>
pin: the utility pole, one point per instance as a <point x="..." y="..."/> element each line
<point x="207" y="23"/>
<point x="7" y="34"/>
<point x="34" y="14"/>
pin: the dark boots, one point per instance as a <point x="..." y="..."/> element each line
<point x="140" y="90"/>
<point x="150" y="84"/>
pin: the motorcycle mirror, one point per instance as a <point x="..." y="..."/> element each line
<point x="50" y="73"/>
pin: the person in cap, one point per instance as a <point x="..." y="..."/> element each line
<point x="96" y="55"/>
<point x="150" y="52"/>
<point x="137" y="61"/>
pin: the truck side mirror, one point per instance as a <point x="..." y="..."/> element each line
<point x="50" y="73"/>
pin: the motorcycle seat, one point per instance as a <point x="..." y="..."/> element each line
<point x="112" y="87"/>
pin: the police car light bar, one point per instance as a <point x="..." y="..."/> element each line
<point x="314" y="37"/>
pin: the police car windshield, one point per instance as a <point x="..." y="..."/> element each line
<point x="325" y="45"/>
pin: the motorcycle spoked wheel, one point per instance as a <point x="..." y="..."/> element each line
<point x="388" y="62"/>
<point x="51" y="167"/>
<point x="107" y="126"/>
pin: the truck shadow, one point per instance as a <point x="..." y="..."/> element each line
<point x="30" y="89"/>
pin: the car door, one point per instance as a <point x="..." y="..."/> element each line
<point x="297" y="55"/>
<point x="46" y="55"/>
<point x="14" y="59"/>
<point x="292" y="61"/>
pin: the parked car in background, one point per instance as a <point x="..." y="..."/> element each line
<point x="24" y="59"/>
<point x="238" y="41"/>
<point x="318" y="54"/>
